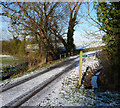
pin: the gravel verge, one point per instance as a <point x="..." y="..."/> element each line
<point x="65" y="92"/>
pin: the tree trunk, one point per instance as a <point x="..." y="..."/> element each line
<point x="70" y="40"/>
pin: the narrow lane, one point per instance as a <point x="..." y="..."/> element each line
<point x="16" y="92"/>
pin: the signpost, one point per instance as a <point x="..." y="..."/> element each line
<point x="80" y="67"/>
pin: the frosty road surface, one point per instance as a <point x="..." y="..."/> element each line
<point x="11" y="94"/>
<point x="63" y="92"/>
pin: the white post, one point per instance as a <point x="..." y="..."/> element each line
<point x="65" y="55"/>
<point x="60" y="56"/>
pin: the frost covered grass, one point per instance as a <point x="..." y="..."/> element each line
<point x="24" y="74"/>
<point x="67" y="94"/>
<point x="51" y="63"/>
<point x="93" y="48"/>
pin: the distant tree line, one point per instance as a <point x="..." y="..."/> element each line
<point x="13" y="46"/>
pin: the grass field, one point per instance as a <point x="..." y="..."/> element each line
<point x="7" y="60"/>
<point x="93" y="48"/>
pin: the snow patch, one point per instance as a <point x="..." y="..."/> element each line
<point x="68" y="95"/>
<point x="6" y="56"/>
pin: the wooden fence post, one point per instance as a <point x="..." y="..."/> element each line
<point x="60" y="56"/>
<point x="68" y="54"/>
<point x="64" y="55"/>
<point x="72" y="53"/>
<point x="95" y="56"/>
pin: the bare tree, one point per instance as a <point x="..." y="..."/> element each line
<point x="44" y="21"/>
<point x="33" y="19"/>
